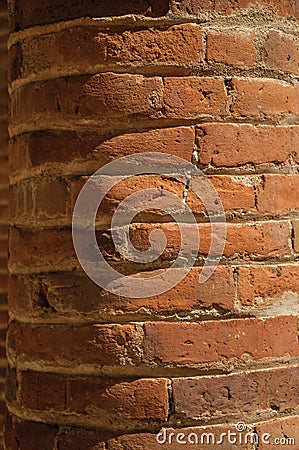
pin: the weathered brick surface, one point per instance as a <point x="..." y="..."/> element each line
<point x="264" y="98"/>
<point x="261" y="239"/>
<point x="283" y="7"/>
<point x="32" y="199"/>
<point x="221" y="396"/>
<point x="278" y="194"/>
<point x="91" y="82"/>
<point x="234" y="48"/>
<point x="3" y="205"/>
<point x="106" y="400"/>
<point x="98" y="344"/>
<point x="190" y="97"/>
<point x="79" y="295"/>
<point x="29" y="435"/>
<point x="42" y="149"/>
<point x="281" y="432"/>
<point x="179" y="45"/>
<point x="45" y="12"/>
<point x="266" y="282"/>
<point x="280" y="51"/>
<point x="86" y="97"/>
<point x="213" y="341"/>
<point x="230" y="145"/>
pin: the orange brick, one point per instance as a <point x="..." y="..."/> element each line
<point x="235" y="48"/>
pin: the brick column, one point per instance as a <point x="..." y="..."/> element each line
<point x="215" y="83"/>
<point x="3" y="203"/>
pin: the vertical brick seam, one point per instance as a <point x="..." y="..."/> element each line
<point x="215" y="83"/>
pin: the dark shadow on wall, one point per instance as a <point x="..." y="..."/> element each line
<point x="40" y="12"/>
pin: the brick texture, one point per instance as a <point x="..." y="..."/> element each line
<point x="3" y="206"/>
<point x="216" y="84"/>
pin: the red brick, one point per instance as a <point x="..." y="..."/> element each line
<point x="3" y="59"/>
<point x="143" y="399"/>
<point x="79" y="438"/>
<point x="280" y="429"/>
<point x="261" y="98"/>
<point x="44" y="200"/>
<point x="3" y="165"/>
<point x="179" y="44"/>
<point x="4" y="231"/>
<point x="234" y="194"/>
<point x="106" y="400"/>
<point x="61" y="147"/>
<point x="3" y="213"/>
<point x="3" y="260"/>
<point x="223" y="396"/>
<point x="28" y="249"/>
<point x="278" y="194"/>
<point x="35" y="245"/>
<point x="86" y="97"/>
<point x="283" y="7"/>
<point x="43" y="391"/>
<point x="3" y="246"/>
<point x="4" y="194"/>
<point x="232" y="145"/>
<point x="295" y="224"/>
<point x="100" y="345"/>
<point x="280" y="51"/>
<point x="192" y="343"/>
<point x="3" y="282"/>
<point x="193" y="97"/>
<point x="3" y="301"/>
<point x="46" y="11"/>
<point x="29" y="435"/>
<point x="262" y="238"/>
<point x="257" y="239"/>
<point x="235" y="48"/>
<point x="266" y="282"/>
<point x="74" y="294"/>
<point x="3" y="7"/>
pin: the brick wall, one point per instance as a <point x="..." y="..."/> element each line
<point x="3" y="203"/>
<point x="215" y="83"/>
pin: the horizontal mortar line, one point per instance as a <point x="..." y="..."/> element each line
<point x="102" y="228"/>
<point x="99" y="421"/>
<point x="249" y="220"/>
<point x="79" y="420"/>
<point x="152" y="70"/>
<point x="71" y="266"/>
<point x="149" y="319"/>
<point x="21" y="414"/>
<point x="54" y="171"/>
<point x="166" y="123"/>
<point x="149" y="372"/>
<point x="288" y="364"/>
<point x="231" y="316"/>
<point x="146" y="125"/>
<point x="127" y="319"/>
<point x="132" y="22"/>
<point x="50" y="173"/>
